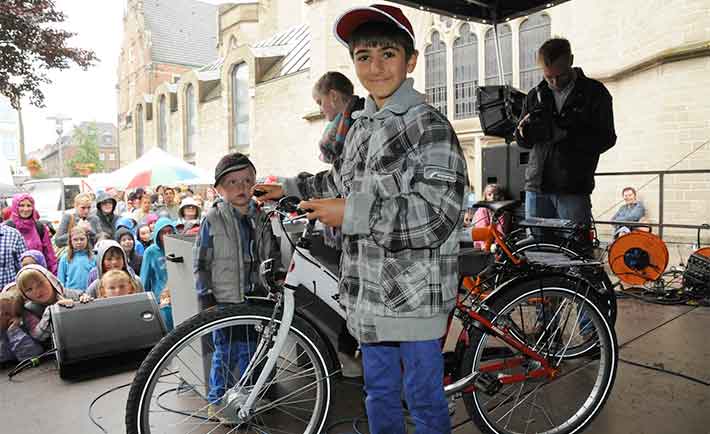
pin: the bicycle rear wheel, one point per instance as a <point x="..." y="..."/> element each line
<point x="561" y="405"/>
<point x="187" y="382"/>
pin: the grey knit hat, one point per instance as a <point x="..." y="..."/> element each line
<point x="231" y="163"/>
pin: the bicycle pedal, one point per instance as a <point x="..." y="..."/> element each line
<point x="487" y="383"/>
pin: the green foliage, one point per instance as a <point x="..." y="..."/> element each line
<point x="86" y="160"/>
<point x="31" y="43"/>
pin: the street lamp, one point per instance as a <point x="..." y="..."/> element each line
<point x="59" y="124"/>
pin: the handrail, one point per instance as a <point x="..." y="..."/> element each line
<point x="661" y="188"/>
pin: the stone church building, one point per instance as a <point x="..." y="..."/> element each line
<point x="199" y="81"/>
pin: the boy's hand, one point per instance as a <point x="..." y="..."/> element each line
<point x="15" y="323"/>
<point x="85" y="298"/>
<point x="328" y="211"/>
<point x="264" y="192"/>
<point x="66" y="302"/>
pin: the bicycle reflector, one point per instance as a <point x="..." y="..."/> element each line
<point x="638" y="257"/>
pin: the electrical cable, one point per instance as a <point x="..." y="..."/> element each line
<point x="91" y="406"/>
<point x="666" y="371"/>
<point x="30" y="363"/>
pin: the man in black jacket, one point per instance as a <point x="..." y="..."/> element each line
<point x="568" y="122"/>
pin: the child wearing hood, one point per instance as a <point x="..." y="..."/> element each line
<point x="132" y="226"/>
<point x="24" y="218"/>
<point x="127" y="240"/>
<point x="78" y="261"/>
<point x="189" y="214"/>
<point x="42" y="288"/>
<point x="33" y="257"/>
<point x="105" y="207"/>
<point x="109" y="256"/>
<point x="154" y="273"/>
<point x="144" y="234"/>
<point x="15" y="325"/>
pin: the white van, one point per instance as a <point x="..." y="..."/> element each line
<point x="54" y="196"/>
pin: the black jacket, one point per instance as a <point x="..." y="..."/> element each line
<point x="587" y="126"/>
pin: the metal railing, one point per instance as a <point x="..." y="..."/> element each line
<point x="661" y="179"/>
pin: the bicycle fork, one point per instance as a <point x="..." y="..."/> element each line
<point x="245" y="408"/>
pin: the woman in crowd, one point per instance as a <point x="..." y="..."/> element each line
<point x="24" y="218"/>
<point x="81" y="216"/>
<point x="189" y="216"/>
<point x="105" y="207"/>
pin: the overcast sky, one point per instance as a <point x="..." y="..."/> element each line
<point x="82" y="95"/>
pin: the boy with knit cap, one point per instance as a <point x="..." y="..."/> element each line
<point x="234" y="238"/>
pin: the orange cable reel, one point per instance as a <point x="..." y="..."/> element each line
<point x="638" y="257"/>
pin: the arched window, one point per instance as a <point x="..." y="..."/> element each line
<point x="162" y="123"/>
<point x="139" y="131"/>
<point x="240" y="106"/>
<point x="533" y="33"/>
<point x="190" y="120"/>
<point x="506" y="47"/>
<point x="465" y="73"/>
<point x="435" y="73"/>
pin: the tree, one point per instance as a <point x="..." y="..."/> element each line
<point x="86" y="160"/>
<point x="30" y="46"/>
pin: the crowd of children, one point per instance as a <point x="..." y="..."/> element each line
<point x="97" y="252"/>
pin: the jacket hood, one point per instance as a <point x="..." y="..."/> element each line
<point x="15" y="207"/>
<point x="48" y="274"/>
<point x="36" y="255"/>
<point x="101" y="248"/>
<point x="120" y="232"/>
<point x="159" y="225"/>
<point x="103" y="197"/>
<point x="126" y="222"/>
<point x="188" y="201"/>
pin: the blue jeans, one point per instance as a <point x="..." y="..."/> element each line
<point x="422" y="366"/>
<point x="575" y="207"/>
<point x="230" y="352"/>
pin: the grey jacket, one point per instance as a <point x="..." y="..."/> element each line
<point x="106" y="222"/>
<point x="403" y="179"/>
<point x="61" y="238"/>
<point x="219" y="264"/>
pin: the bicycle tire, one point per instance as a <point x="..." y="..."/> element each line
<point x="607" y="357"/>
<point x="605" y="289"/>
<point x="137" y="409"/>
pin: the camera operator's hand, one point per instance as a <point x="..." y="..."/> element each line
<point x="522" y="124"/>
<point x="328" y="211"/>
<point x="264" y="192"/>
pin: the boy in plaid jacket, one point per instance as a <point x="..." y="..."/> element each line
<point x="401" y="193"/>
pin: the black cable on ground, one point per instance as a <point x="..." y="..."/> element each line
<point x="666" y="371"/>
<point x="30" y="363"/>
<point x="91" y="406"/>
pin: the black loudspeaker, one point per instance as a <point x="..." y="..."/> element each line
<point x="107" y="330"/>
<point x="505" y="165"/>
<point x="499" y="109"/>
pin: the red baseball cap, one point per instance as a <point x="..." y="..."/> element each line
<point x="351" y="19"/>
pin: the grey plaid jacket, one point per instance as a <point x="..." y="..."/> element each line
<point x="403" y="179"/>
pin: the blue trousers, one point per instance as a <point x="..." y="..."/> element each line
<point x="575" y="207"/>
<point x="230" y="352"/>
<point x="423" y="381"/>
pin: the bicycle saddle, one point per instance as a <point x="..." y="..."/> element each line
<point x="497" y="206"/>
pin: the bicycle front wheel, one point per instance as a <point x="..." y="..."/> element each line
<point x="548" y="317"/>
<point x="195" y="378"/>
